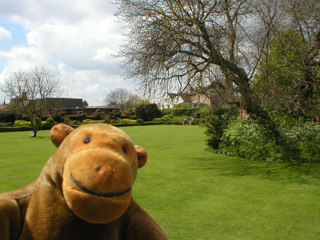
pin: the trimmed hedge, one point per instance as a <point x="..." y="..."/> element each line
<point x="90" y="121"/>
<point x="15" y="129"/>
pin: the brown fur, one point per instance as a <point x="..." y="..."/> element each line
<point x="83" y="192"/>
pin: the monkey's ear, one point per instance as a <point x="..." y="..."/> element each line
<point x="142" y="156"/>
<point x="59" y="132"/>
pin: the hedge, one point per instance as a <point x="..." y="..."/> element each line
<point x="15" y="129"/>
<point x="251" y="140"/>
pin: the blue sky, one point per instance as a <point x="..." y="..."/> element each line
<point x="76" y="40"/>
<point x="17" y="35"/>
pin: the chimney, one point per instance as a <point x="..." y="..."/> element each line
<point x="24" y="96"/>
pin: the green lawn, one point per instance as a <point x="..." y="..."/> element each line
<point x="194" y="194"/>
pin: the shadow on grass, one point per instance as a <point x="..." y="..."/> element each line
<point x="301" y="173"/>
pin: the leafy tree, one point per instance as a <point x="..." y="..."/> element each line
<point x="284" y="83"/>
<point x="28" y="91"/>
<point x="85" y="103"/>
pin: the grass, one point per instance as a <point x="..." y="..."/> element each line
<point x="192" y="193"/>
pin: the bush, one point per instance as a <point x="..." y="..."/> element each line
<point x="248" y="139"/>
<point x="99" y="115"/>
<point x="184" y="110"/>
<point x="300" y="141"/>
<point x="14" y="129"/>
<point x="22" y="123"/>
<point x="166" y="111"/>
<point x="49" y="123"/>
<point x="176" y="120"/>
<point x="139" y="121"/>
<point x="217" y="121"/>
<point x="128" y="121"/>
<point x="90" y="121"/>
<point x="7" y="115"/>
<point x="77" y="117"/>
<point x="166" y="118"/>
<point x="306" y="137"/>
<point x="148" y="112"/>
<point x="59" y="116"/>
<point x="197" y="121"/>
<point x="115" y="114"/>
<point x="37" y="123"/>
<point x="5" y="124"/>
<point x="158" y="120"/>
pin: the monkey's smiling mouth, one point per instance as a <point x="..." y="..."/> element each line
<point x="107" y="195"/>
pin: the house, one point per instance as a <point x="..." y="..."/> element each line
<point x="193" y="99"/>
<point x="170" y="101"/>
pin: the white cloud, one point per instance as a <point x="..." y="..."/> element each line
<point x="33" y="12"/>
<point x="77" y="41"/>
<point x="4" y="34"/>
<point x="21" y="59"/>
<point x="89" y="45"/>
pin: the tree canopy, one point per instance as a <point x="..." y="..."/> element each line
<point x="213" y="46"/>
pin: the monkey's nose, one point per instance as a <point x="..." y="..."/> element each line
<point x="105" y="171"/>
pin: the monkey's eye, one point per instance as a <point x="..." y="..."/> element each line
<point x="124" y="149"/>
<point x="87" y="140"/>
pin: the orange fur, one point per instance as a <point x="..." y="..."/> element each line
<point x="83" y="192"/>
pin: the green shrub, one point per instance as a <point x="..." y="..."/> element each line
<point x="166" y="111"/>
<point x="90" y="121"/>
<point x="166" y="118"/>
<point x="14" y="129"/>
<point x="158" y="120"/>
<point x="197" y="121"/>
<point x="184" y="110"/>
<point x="128" y="121"/>
<point x="5" y="124"/>
<point x="22" y="123"/>
<point x="306" y="137"/>
<point x="77" y="117"/>
<point x="298" y="141"/>
<point x="99" y="115"/>
<point x="49" y="123"/>
<point x="217" y="121"/>
<point x="139" y="121"/>
<point x="37" y="123"/>
<point x="176" y="120"/>
<point x="8" y="115"/>
<point x="248" y="139"/>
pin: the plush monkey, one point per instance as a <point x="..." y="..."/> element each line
<point x="83" y="192"/>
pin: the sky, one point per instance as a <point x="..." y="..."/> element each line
<point x="77" y="40"/>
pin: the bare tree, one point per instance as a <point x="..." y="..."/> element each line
<point x="118" y="98"/>
<point x="212" y="46"/>
<point x="28" y="90"/>
<point x="199" y="43"/>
